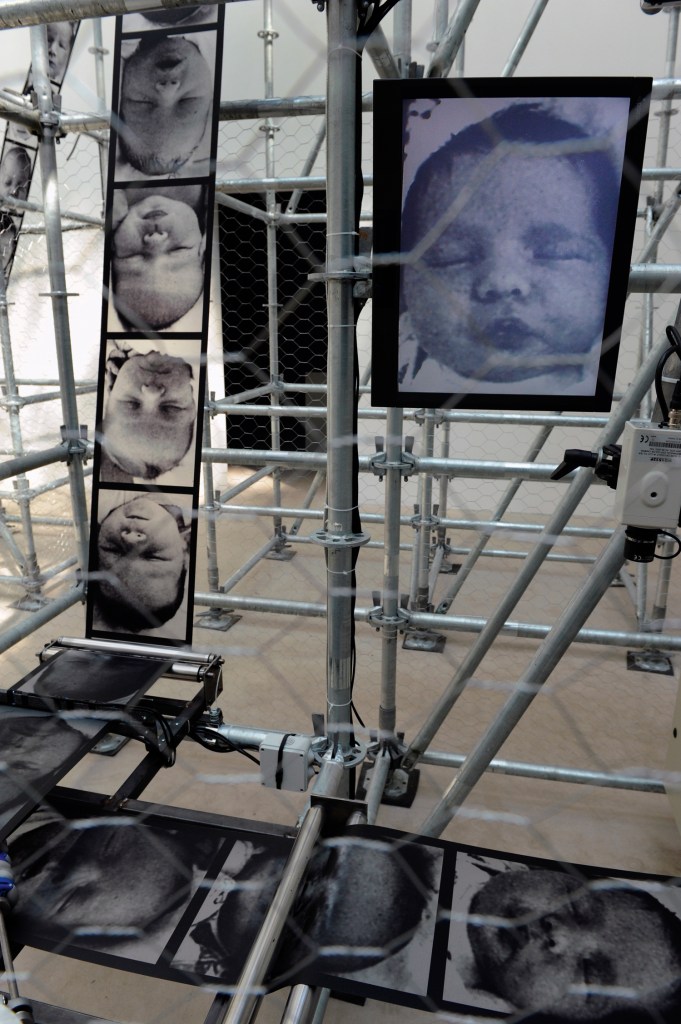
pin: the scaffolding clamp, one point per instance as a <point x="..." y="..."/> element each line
<point x="406" y="464"/>
<point x="75" y="441"/>
<point x="379" y="620"/>
<point x="339" y="540"/>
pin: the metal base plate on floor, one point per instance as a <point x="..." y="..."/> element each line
<point x="30" y="603"/>
<point x="423" y="640"/>
<point x="285" y="555"/>
<point x="449" y="568"/>
<point x="222" y="620"/>
<point x="109" y="744"/>
<point x="650" y="661"/>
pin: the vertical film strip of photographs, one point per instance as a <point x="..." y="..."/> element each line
<point x="20" y="146"/>
<point x="154" y="324"/>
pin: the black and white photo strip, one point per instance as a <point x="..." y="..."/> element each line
<point x="75" y="678"/>
<point x="36" y="750"/>
<point x="140" y="579"/>
<point x="19" y="149"/>
<point x="154" y="323"/>
<point x="157" y="886"/>
<point x="418" y="922"/>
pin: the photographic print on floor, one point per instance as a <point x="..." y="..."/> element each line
<point x="36" y="750"/>
<point x="418" y="922"/>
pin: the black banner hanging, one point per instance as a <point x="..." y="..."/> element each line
<point x="154" y="324"/>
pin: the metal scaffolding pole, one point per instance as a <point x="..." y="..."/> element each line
<point x="338" y="535"/>
<point x="268" y="36"/>
<point x="27" y="561"/>
<point x="526" y="34"/>
<point x="577" y="489"/>
<point x="485" y="535"/>
<point x="546" y="659"/>
<point x="75" y="447"/>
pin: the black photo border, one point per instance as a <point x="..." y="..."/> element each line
<point x="390" y="103"/>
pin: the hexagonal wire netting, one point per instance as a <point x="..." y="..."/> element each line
<point x="267" y="373"/>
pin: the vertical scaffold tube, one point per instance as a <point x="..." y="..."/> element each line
<point x="341" y="141"/>
<point x="49" y="129"/>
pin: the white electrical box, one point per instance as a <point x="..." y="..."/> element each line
<point x="649" y="482"/>
<point x="288" y="767"/>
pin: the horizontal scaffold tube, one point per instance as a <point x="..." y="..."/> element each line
<point x="14" y="13"/>
<point x="454" y="467"/>
<point x="450" y="623"/>
<point x="250" y="738"/>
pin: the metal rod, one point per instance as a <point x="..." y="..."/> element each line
<point x="455" y="624"/>
<point x="546" y="659"/>
<point x="402" y="38"/>
<point x="523" y="40"/>
<point x="55" y="263"/>
<point x="146" y="650"/>
<point x="268" y="37"/>
<point x="33" y="12"/>
<point x="576" y="776"/>
<point x="465" y="468"/>
<point x="7" y="959"/>
<point x="28" y="561"/>
<point x="444" y="56"/>
<point x="378" y="49"/>
<point x="342" y="134"/>
<point x="390" y="601"/>
<point x="484" y="538"/>
<point x="249" y="986"/>
<point x="576" y="491"/>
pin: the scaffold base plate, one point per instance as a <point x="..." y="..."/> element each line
<point x="431" y="643"/>
<point x="222" y="621"/>
<point x="650" y="661"/>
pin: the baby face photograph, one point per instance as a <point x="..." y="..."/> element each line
<point x="148" y="428"/>
<point x="15" y="172"/>
<point x="166" y="106"/>
<point x="139" y="583"/>
<point x="158" y="246"/>
<point x="36" y="750"/>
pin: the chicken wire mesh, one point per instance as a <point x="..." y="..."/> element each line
<point x="276" y="663"/>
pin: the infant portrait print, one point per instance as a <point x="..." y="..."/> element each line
<point x="59" y="42"/>
<point x="508" y="225"/>
<point x="157" y="259"/>
<point x="140" y="579"/>
<point x="149" y="420"/>
<point x="166" y="106"/>
<point x="15" y="173"/>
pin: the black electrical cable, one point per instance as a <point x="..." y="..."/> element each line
<point x="220" y="744"/>
<point x="672" y="536"/>
<point x="675" y="349"/>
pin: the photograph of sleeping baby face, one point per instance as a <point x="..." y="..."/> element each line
<point x="158" y="247"/>
<point x="166" y="106"/>
<point x="149" y="423"/>
<point x="139" y="581"/>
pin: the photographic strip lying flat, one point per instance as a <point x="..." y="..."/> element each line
<point x="418" y="922"/>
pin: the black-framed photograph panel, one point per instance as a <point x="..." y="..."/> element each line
<point x="503" y="225"/>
